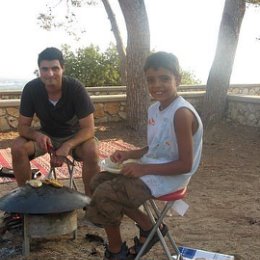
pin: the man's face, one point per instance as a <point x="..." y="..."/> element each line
<point x="51" y="75"/>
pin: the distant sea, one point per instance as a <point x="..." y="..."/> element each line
<point x="12" y="84"/>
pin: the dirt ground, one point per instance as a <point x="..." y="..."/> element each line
<point x="224" y="200"/>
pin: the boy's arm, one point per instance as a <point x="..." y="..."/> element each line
<point x="184" y="120"/>
<point x="120" y="156"/>
<point x="137" y="154"/>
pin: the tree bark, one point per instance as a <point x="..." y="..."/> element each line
<point x="119" y="42"/>
<point x="138" y="48"/>
<point x="219" y="77"/>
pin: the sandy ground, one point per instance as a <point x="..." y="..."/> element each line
<point x="224" y="200"/>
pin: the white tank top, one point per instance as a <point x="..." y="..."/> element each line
<point x="163" y="148"/>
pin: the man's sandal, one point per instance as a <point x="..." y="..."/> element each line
<point x="135" y="249"/>
<point x="9" y="173"/>
<point x="121" y="255"/>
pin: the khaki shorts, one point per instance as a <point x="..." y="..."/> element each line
<point x="56" y="142"/>
<point x="111" y="194"/>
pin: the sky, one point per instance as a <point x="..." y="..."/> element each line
<point x="189" y="29"/>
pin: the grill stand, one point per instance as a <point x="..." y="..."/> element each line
<point x="48" y="225"/>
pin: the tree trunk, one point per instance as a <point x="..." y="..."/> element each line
<point x="119" y="42"/>
<point x="138" y="48"/>
<point x="219" y="77"/>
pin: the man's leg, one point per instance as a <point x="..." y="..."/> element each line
<point x="21" y="150"/>
<point x="88" y="152"/>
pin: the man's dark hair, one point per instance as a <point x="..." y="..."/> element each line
<point x="163" y="60"/>
<point x="51" y="53"/>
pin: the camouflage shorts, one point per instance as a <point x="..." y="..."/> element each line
<point x="111" y="194"/>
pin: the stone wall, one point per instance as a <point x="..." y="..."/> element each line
<point x="244" y="110"/>
<point x="111" y="107"/>
<point x="108" y="109"/>
<point x="243" y="89"/>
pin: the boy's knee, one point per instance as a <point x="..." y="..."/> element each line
<point x="94" y="183"/>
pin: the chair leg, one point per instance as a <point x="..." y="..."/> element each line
<point x="71" y="171"/>
<point x="52" y="173"/>
<point x="157" y="217"/>
<point x="163" y="213"/>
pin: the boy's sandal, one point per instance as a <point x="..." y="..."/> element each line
<point x="121" y="255"/>
<point x="135" y="249"/>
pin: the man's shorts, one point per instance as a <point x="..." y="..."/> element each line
<point x="56" y="142"/>
<point x="112" y="193"/>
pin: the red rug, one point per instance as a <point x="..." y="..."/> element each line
<point x="43" y="163"/>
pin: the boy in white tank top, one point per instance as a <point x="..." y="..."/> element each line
<point x="165" y="165"/>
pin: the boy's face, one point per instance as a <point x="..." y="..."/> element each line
<point x="162" y="85"/>
<point x="51" y="75"/>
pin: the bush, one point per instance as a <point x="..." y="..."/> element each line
<point x="92" y="67"/>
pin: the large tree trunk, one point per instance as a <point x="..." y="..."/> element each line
<point x="219" y="77"/>
<point x="138" y="48"/>
<point x="119" y="42"/>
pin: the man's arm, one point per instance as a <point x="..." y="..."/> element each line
<point x="24" y="127"/>
<point x="25" y="130"/>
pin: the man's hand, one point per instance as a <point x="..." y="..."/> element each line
<point x="43" y="141"/>
<point x="64" y="149"/>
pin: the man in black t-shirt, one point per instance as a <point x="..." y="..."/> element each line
<point x="66" y="116"/>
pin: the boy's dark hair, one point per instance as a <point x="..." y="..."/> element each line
<point x="163" y="60"/>
<point x="51" y="53"/>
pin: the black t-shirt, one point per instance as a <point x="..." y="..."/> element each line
<point x="61" y="120"/>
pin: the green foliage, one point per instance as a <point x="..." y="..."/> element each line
<point x="255" y="2"/>
<point x="188" y="78"/>
<point x="92" y="67"/>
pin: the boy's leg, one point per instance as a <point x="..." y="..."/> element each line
<point x="140" y="218"/>
<point x="113" y="232"/>
<point x="114" y="238"/>
<point x="113" y="194"/>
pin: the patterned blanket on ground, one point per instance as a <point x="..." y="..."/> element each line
<point x="43" y="163"/>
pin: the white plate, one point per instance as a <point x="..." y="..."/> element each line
<point x="107" y="165"/>
<point x="113" y="170"/>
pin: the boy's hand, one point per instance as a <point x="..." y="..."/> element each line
<point x="134" y="170"/>
<point x="119" y="156"/>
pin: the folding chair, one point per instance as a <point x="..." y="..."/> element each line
<point x="157" y="216"/>
<point x="70" y="165"/>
